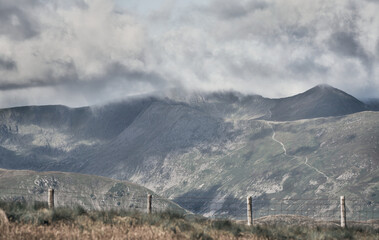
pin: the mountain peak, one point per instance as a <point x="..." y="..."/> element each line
<point x="324" y="86"/>
<point x="320" y="101"/>
<point x="325" y="92"/>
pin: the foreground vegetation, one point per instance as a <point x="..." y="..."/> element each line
<point x="34" y="221"/>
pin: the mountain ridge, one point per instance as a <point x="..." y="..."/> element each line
<point x="327" y="100"/>
<point x="217" y="145"/>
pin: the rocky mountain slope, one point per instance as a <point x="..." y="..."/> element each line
<point x="221" y="146"/>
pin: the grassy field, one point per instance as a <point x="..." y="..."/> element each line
<point x="36" y="222"/>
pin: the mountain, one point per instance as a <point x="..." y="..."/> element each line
<point x="216" y="146"/>
<point x="320" y="101"/>
<point x="70" y="189"/>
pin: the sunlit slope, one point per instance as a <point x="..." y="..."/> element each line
<point x="318" y="158"/>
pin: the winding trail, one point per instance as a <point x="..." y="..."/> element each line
<point x="306" y="163"/>
<point x="285" y="153"/>
<point x="273" y="138"/>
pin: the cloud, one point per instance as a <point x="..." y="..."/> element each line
<point x="17" y="23"/>
<point x="95" y="51"/>
<point x="306" y="67"/>
<point x="79" y="45"/>
<point x="346" y="44"/>
<point x="164" y="12"/>
<point x="276" y="48"/>
<point x="227" y="10"/>
<point x="7" y="64"/>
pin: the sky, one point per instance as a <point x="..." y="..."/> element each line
<point x="86" y="52"/>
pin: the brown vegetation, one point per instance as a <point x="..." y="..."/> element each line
<point x="37" y="222"/>
<point x="123" y="228"/>
<point x="3" y="218"/>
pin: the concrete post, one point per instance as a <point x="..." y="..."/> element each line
<point x="149" y="198"/>
<point x="249" y="210"/>
<point x="50" y="198"/>
<point x="343" y="212"/>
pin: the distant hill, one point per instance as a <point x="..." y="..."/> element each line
<point x="321" y="143"/>
<point x="372" y="104"/>
<point x="88" y="191"/>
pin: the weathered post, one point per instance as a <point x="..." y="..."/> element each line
<point x="343" y="212"/>
<point x="249" y="210"/>
<point x="149" y="197"/>
<point x="50" y="198"/>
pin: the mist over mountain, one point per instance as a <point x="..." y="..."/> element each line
<point x="372" y="103"/>
<point x="321" y="143"/>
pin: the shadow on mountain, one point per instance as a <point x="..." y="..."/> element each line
<point x="211" y="202"/>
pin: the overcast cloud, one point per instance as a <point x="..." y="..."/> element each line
<point x="81" y="52"/>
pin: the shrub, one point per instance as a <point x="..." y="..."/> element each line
<point x="62" y="213"/>
<point x="201" y="235"/>
<point x="227" y="225"/>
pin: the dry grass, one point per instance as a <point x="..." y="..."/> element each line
<point x="36" y="222"/>
<point x="307" y="221"/>
<point x="88" y="229"/>
<point x="3" y="218"/>
<point x="71" y="231"/>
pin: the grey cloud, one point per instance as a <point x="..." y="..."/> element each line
<point x="257" y="19"/>
<point x="5" y="86"/>
<point x="16" y="22"/>
<point x="117" y="83"/>
<point x="115" y="73"/>
<point x="65" y="56"/>
<point x="299" y="32"/>
<point x="306" y="67"/>
<point x="346" y="44"/>
<point x="164" y="13"/>
<point x="299" y="42"/>
<point x="249" y="68"/>
<point x="67" y="4"/>
<point x="49" y="79"/>
<point x="7" y="64"/>
<point x="272" y="48"/>
<point x="227" y="10"/>
<point x="119" y="73"/>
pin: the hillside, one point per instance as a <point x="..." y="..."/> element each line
<point x="219" y="146"/>
<point x="71" y="189"/>
<point x="320" y="158"/>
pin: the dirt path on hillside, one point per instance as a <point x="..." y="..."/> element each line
<point x="305" y="162"/>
